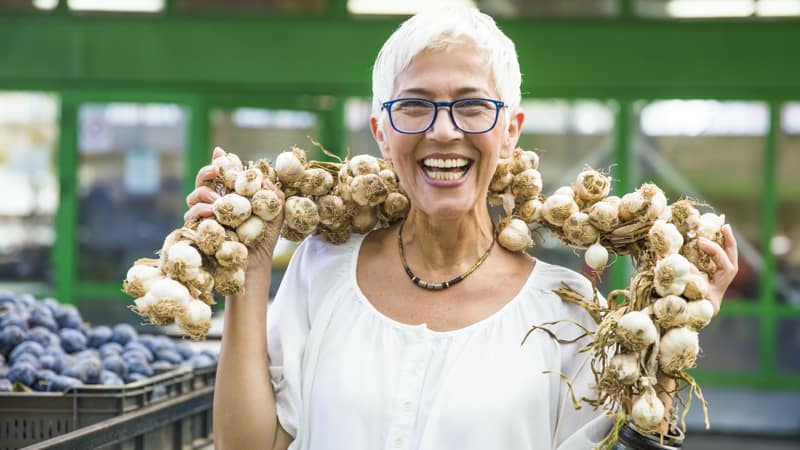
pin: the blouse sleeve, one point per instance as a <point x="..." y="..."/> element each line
<point x="288" y="325"/>
<point x="584" y="428"/>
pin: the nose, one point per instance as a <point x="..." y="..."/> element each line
<point x="443" y="128"/>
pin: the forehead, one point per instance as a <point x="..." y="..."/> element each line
<point x="447" y="72"/>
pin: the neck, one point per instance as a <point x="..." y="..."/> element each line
<point x="441" y="248"/>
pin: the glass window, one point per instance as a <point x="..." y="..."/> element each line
<point x="788" y="342"/>
<point x="130" y="181"/>
<point x="140" y="6"/>
<point x="785" y="244"/>
<point x="29" y="181"/>
<point x="568" y="136"/>
<point x="549" y="8"/>
<point x="244" y="6"/>
<point x="28" y="5"/>
<point x="713" y="152"/>
<point x="730" y="344"/>
<point x="690" y="9"/>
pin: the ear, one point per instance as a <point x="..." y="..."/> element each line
<point x="512" y="132"/>
<point x="379" y="136"/>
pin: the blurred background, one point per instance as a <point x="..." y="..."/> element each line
<point x="109" y="107"/>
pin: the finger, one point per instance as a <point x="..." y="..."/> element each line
<point x="717" y="255"/>
<point x="218" y="151"/>
<point x="206" y="173"/>
<point x="203" y="194"/>
<point x="199" y="211"/>
<point x="730" y="245"/>
<point x="268" y="184"/>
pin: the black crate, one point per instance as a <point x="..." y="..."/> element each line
<point x="39" y="418"/>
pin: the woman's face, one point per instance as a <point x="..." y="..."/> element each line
<point x="471" y="159"/>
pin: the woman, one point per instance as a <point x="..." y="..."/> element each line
<point x="363" y="352"/>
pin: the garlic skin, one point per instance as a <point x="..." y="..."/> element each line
<point x="566" y="191"/>
<point x="332" y="211"/>
<point x="591" y="186"/>
<point x="709" y="227"/>
<point x="368" y="190"/>
<point x="558" y="208"/>
<point x="631" y="206"/>
<point x="229" y="280"/>
<point x="289" y="168"/>
<point x="195" y="320"/>
<point x="604" y="215"/>
<point x="364" y="220"/>
<point x="678" y="350"/>
<point x="232" y="210"/>
<point x="514" y="235"/>
<point x="696" y="287"/>
<point x="579" y="231"/>
<point x="646" y="204"/>
<point x="624" y="368"/>
<point x="183" y="261"/>
<point x="647" y="411"/>
<point x="229" y="167"/>
<point x="700" y="313"/>
<point x="210" y="235"/>
<point x="140" y="278"/>
<point x="531" y="211"/>
<point x="390" y="180"/>
<point x="364" y="164"/>
<point x="169" y="300"/>
<point x="301" y="214"/>
<point x="266" y="204"/>
<point x="396" y="206"/>
<point x="232" y="254"/>
<point x="252" y="232"/>
<point x="526" y="185"/>
<point x="671" y="312"/>
<point x="522" y="160"/>
<point x="671" y="275"/>
<point x="664" y="238"/>
<point x="596" y="257"/>
<point x="500" y="181"/>
<point x="685" y="216"/>
<point x="635" y="331"/>
<point x="316" y="182"/>
<point x="248" y="182"/>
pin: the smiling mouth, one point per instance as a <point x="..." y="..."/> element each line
<point x="445" y="169"/>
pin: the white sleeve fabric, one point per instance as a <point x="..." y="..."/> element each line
<point x="288" y="325"/>
<point x="584" y="428"/>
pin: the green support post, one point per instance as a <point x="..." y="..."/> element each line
<point x="64" y="255"/>
<point x="769" y="214"/>
<point x="333" y="135"/>
<point x="198" y="152"/>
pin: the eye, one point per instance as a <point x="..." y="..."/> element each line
<point x="474" y="106"/>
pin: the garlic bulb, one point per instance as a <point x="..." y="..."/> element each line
<point x="266" y="204"/>
<point x="635" y="331"/>
<point x="671" y="312"/>
<point x="604" y="215"/>
<point x="210" y="235"/>
<point x="591" y="186"/>
<point x="195" y="320"/>
<point x="301" y="214"/>
<point x="566" y="191"/>
<point x="514" y="235"/>
<point x="252" y="232"/>
<point x="579" y="231"/>
<point x="332" y="211"/>
<point x="396" y="206"/>
<point x="671" y="275"/>
<point x="664" y="238"/>
<point x="169" y="300"/>
<point x="364" y="219"/>
<point x="232" y="210"/>
<point x="709" y="227"/>
<point x="368" y="190"/>
<point x="685" y="216"/>
<point x="390" y="180"/>
<point x="700" y="313"/>
<point x="531" y="211"/>
<point x="500" y="181"/>
<point x="364" y="164"/>
<point x="696" y="287"/>
<point x="289" y="167"/>
<point x="248" y="182"/>
<point x="183" y="261"/>
<point x="647" y="411"/>
<point x="140" y="278"/>
<point x="596" y="257"/>
<point x="678" y="350"/>
<point x="232" y="254"/>
<point x="558" y="208"/>
<point x="229" y="167"/>
<point x="624" y="368"/>
<point x="316" y="182"/>
<point x="229" y="280"/>
<point x="699" y="258"/>
<point x="646" y="204"/>
<point x="526" y="185"/>
<point x="522" y="160"/>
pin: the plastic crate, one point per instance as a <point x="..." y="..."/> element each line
<point x="31" y="418"/>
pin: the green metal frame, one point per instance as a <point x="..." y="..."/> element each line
<point x="314" y="63"/>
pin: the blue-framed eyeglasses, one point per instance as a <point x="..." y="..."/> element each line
<point x="417" y="115"/>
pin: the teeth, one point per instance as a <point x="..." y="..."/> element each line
<point x="445" y="163"/>
<point x="444" y="176"/>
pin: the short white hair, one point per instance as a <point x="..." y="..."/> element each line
<point x="439" y="29"/>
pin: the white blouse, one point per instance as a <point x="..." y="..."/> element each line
<point x="348" y="377"/>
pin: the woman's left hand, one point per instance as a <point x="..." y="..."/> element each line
<point x="727" y="260"/>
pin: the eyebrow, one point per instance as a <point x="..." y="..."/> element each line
<point x="422" y="92"/>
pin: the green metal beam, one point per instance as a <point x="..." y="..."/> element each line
<point x="567" y="58"/>
<point x="65" y="247"/>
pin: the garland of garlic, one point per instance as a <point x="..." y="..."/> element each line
<point x="650" y="327"/>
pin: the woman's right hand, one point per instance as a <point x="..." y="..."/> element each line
<point x="200" y="202"/>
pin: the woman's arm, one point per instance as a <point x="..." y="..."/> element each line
<point x="244" y="401"/>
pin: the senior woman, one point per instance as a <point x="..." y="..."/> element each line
<point x="408" y="337"/>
